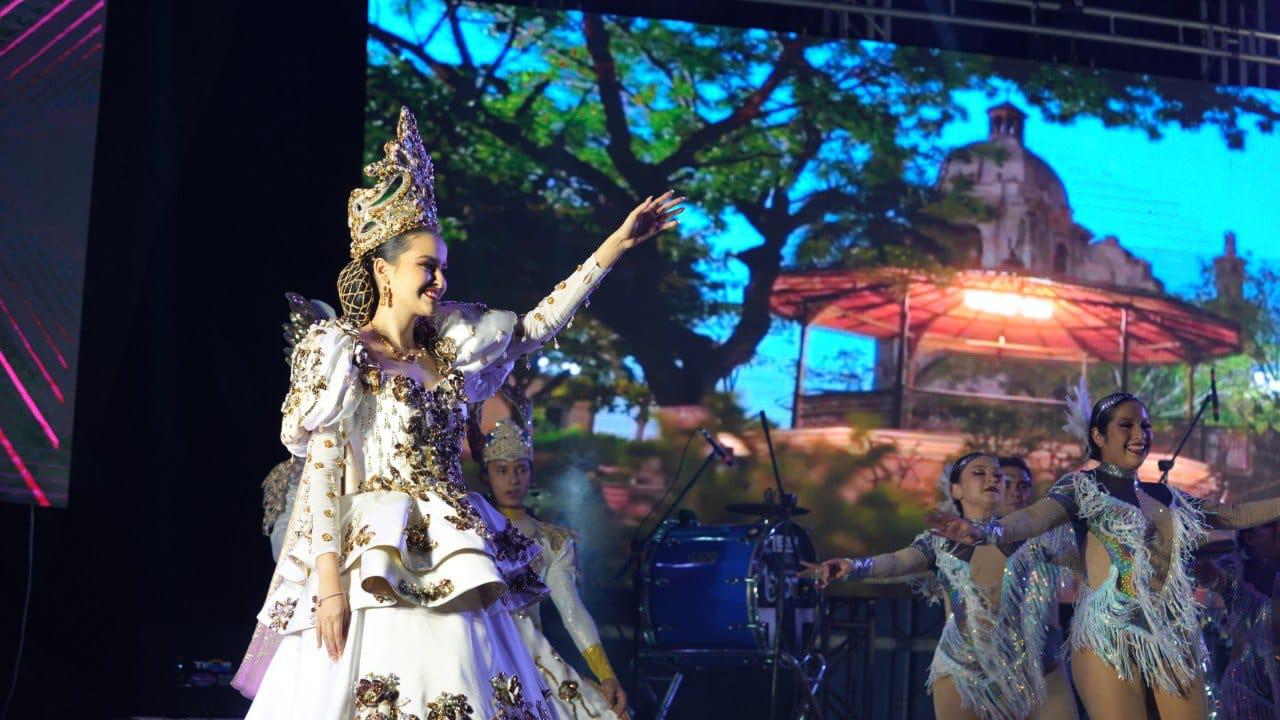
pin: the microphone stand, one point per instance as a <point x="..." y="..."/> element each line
<point x="780" y="586"/>
<point x="1167" y="464"/>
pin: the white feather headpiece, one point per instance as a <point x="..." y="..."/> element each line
<point x="946" y="503"/>
<point x="1079" y="410"/>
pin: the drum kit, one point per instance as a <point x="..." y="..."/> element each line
<point x="732" y="596"/>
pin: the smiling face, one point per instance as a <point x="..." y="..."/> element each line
<point x="417" y="275"/>
<point x="509" y="480"/>
<point x="981" y="488"/>
<point x="1126" y="439"/>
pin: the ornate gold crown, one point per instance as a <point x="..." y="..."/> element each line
<point x="508" y="441"/>
<point x="404" y="198"/>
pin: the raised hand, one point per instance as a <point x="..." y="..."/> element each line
<point x="953" y="527"/>
<point x="649" y="218"/>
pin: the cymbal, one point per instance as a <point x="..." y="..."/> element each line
<point x="761" y="509"/>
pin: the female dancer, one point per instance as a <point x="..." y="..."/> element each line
<point x="385" y="601"/>
<point x="508" y="473"/>
<point x="1136" y="625"/>
<point x="988" y="664"/>
<point x="1249" y="582"/>
<point x="1059" y="700"/>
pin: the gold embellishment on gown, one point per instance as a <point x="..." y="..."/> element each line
<point x="308" y="380"/>
<point x="416" y="537"/>
<point x="353" y="538"/>
<point x="568" y="691"/>
<point x="374" y="692"/>
<point x="432" y="452"/>
<point x="449" y="707"/>
<point x="556" y="536"/>
<point x="509" y="700"/>
<point x="430" y="592"/>
<point x="282" y="613"/>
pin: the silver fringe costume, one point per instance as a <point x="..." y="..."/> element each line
<point x="1250" y="684"/>
<point x="995" y="652"/>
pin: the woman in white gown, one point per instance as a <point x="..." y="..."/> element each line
<point x="508" y="472"/>
<point x="393" y="593"/>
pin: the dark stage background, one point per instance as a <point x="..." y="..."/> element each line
<point x="229" y="136"/>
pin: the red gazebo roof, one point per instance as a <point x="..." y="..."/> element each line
<point x="989" y="312"/>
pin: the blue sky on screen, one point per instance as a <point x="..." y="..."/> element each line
<point x="1168" y="201"/>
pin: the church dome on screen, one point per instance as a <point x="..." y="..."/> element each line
<point x="1031" y="228"/>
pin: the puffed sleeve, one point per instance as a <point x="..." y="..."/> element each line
<point x="563" y="582"/>
<point x="484" y="344"/>
<point x="324" y="387"/>
<point x="324" y="391"/>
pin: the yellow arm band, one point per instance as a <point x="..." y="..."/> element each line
<point x="599" y="663"/>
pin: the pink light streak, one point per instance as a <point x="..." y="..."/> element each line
<point x="41" y="499"/>
<point x="34" y="27"/>
<point x="57" y="391"/>
<point x="9" y="8"/>
<point x="96" y="47"/>
<point x="47" y="337"/>
<point x="26" y="397"/>
<point x="58" y="38"/>
<point x="96" y="29"/>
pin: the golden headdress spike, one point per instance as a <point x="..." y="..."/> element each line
<point x="508" y="441"/>
<point x="404" y="197"/>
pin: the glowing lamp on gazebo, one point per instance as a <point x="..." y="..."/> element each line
<point x="1008" y="304"/>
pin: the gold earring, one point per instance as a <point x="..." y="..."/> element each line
<point x="386" y="294"/>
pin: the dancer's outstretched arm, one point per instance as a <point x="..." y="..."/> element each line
<point x="1036" y="519"/>
<point x="907" y="561"/>
<point x="1239" y="516"/>
<point x="536" y="327"/>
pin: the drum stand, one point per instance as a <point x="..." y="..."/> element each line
<point x="782" y="655"/>
<point x="807" y="674"/>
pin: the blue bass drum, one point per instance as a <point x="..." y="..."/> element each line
<point x="710" y="589"/>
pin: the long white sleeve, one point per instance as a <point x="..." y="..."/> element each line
<point x="538" y="326"/>
<point x="562" y="580"/>
<point x="322" y="479"/>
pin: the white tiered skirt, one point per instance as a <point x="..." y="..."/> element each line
<point x="427" y="661"/>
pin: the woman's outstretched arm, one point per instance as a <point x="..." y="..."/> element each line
<point x="1239" y="516"/>
<point x="1036" y="519"/>
<point x="907" y="561"/>
<point x="538" y="326"/>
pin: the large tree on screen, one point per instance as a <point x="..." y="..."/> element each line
<point x="552" y="125"/>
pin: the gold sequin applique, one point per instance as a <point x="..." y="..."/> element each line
<point x="378" y="698"/>
<point x="281" y="613"/>
<point x="353" y="537"/>
<point x="449" y="707"/>
<point x="427" y="593"/>
<point x="509" y="702"/>
<point x="416" y="537"/>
